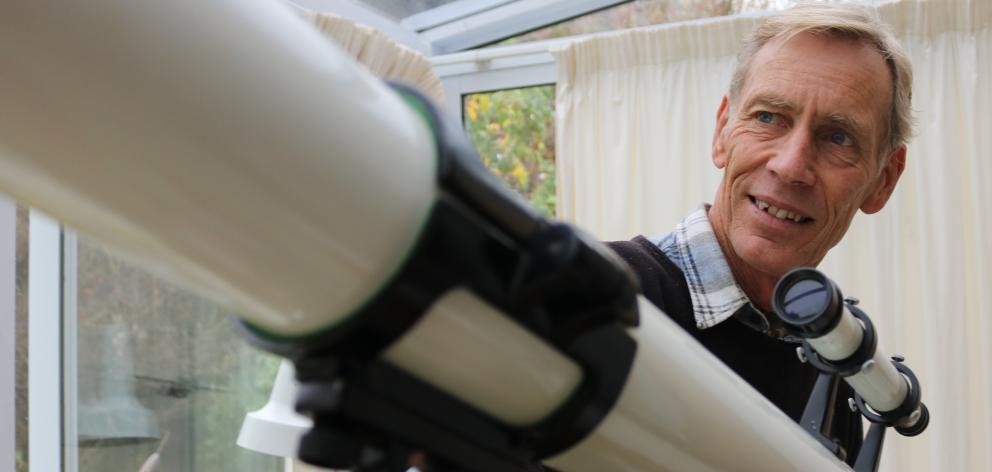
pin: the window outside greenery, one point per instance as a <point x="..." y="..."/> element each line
<point x="161" y="368"/>
<point x="514" y="133"/>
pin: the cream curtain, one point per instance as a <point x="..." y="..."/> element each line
<point x="381" y="55"/>
<point x="636" y="112"/>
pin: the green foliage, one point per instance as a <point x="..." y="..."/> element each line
<point x="20" y="463"/>
<point x="513" y="131"/>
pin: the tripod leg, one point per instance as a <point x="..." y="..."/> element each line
<point x="871" y="450"/>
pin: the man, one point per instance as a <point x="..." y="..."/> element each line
<point x="813" y="128"/>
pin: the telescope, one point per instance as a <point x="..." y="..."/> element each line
<point x="434" y="319"/>
<point x="841" y="342"/>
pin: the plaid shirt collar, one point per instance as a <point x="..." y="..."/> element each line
<point x="715" y="294"/>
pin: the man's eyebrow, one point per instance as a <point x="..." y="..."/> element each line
<point x="845" y="122"/>
<point x="773" y="101"/>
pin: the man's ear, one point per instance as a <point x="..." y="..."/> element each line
<point x="719" y="147"/>
<point x="886" y="182"/>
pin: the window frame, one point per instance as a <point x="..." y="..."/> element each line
<point x="488" y="70"/>
<point x="53" y="378"/>
<point x="45" y="331"/>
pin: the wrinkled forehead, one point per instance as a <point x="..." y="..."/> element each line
<point x="825" y="54"/>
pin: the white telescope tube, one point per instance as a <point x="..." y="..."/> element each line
<point x="682" y="409"/>
<point x="880" y="384"/>
<point x="231" y="147"/>
<point x="469" y="349"/>
<point x="227" y="144"/>
<point x="224" y="143"/>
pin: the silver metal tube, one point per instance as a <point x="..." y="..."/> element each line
<point x="880" y="384"/>
<point x="841" y="341"/>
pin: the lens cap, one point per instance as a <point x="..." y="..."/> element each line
<point x="807" y="301"/>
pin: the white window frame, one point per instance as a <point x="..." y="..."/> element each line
<point x="45" y="428"/>
<point x="500" y="68"/>
<point x="449" y="12"/>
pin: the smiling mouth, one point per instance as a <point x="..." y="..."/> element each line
<point x="779" y="212"/>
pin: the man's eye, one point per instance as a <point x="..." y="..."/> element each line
<point x="840" y="138"/>
<point x="765" y="116"/>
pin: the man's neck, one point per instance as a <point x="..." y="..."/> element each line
<point x="758" y="286"/>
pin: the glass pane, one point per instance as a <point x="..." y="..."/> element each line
<point x="160" y="369"/>
<point x="655" y="12"/>
<point x="633" y="14"/>
<point x="747" y="6"/>
<point x="514" y="133"/>
<point x="399" y="9"/>
<point x="21" y="348"/>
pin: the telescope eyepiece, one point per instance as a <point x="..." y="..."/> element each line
<point x="808" y="302"/>
<point x="917" y="424"/>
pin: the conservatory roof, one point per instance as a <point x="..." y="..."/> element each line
<point x="437" y="27"/>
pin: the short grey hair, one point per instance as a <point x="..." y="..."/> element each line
<point x="847" y="21"/>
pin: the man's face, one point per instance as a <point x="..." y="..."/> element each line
<point x="801" y="147"/>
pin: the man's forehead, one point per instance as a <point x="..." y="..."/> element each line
<point x="803" y="40"/>
<point x="846" y="75"/>
<point x="822" y="50"/>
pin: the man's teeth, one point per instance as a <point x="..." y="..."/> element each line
<point x="778" y="212"/>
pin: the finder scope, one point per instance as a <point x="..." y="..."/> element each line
<point x="840" y="339"/>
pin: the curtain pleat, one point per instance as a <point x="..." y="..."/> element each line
<point x="636" y="112"/>
<point x="379" y="53"/>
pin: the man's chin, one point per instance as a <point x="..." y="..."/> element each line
<point x="771" y="259"/>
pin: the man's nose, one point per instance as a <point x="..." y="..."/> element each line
<point x="793" y="163"/>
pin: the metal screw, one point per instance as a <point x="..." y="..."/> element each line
<point x="851" y="300"/>
<point x="801" y="354"/>
<point x="853" y="405"/>
<point x="898" y="357"/>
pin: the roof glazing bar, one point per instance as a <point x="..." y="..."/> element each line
<point x="450" y="12"/>
<point x="505" y="21"/>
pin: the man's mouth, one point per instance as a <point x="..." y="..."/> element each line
<point x="779" y="213"/>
